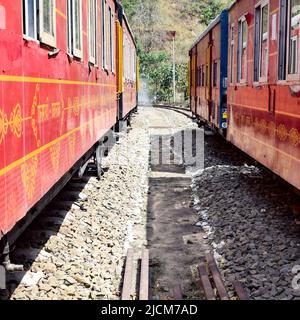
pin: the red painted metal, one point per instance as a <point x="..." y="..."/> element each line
<point x="129" y="95"/>
<point x="52" y="111"/>
<point x="265" y="117"/>
<point x="205" y="99"/>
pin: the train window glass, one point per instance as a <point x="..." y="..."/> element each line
<point x="257" y="43"/>
<point x="200" y="74"/>
<point x="294" y="19"/>
<point x="92" y="31"/>
<point x="242" y="50"/>
<point x="206" y="75"/>
<point x="215" y="73"/>
<point x="30" y="8"/>
<point x="74" y="21"/>
<point x="47" y="22"/>
<point x="203" y="75"/>
<point x="112" y="41"/>
<point x="264" y="50"/>
<point x="104" y="34"/>
<point x="282" y="40"/>
<point x="231" y="53"/>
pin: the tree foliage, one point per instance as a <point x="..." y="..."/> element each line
<point x="154" y="51"/>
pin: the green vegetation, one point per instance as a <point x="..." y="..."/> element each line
<point x="150" y="21"/>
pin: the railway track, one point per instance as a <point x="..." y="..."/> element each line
<point x="136" y="277"/>
<point x="51" y="224"/>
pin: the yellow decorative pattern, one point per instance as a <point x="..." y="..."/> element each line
<point x="294" y="137"/>
<point x="263" y="126"/>
<point x="282" y="132"/>
<point x="3" y="125"/>
<point x="55" y="156"/>
<point x="34" y="114"/>
<point x="29" y="173"/>
<point x="72" y="144"/>
<point x="272" y="129"/>
<point x="16" y="121"/>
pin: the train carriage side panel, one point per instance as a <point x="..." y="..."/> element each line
<point x="210" y="73"/>
<point x="54" y="106"/>
<point x="129" y="70"/>
<point x="263" y="86"/>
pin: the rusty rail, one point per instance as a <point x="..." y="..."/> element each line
<point x="210" y="278"/>
<point x="144" y="277"/>
<point x="127" y="282"/>
<point x="143" y="291"/>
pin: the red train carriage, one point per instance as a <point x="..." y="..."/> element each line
<point x="59" y="73"/>
<point x="263" y="93"/>
<point x="209" y="74"/>
<point x="264" y="83"/>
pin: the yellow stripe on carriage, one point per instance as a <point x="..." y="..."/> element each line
<point x="60" y="13"/>
<point x="30" y="155"/>
<point x="8" y="78"/>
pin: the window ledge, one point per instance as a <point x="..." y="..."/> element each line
<point x="29" y="39"/>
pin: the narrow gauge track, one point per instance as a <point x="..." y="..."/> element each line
<point x="136" y="280"/>
<point x="30" y="247"/>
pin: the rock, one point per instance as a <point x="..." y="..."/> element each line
<point x="45" y="287"/>
<point x="82" y="280"/>
<point x="31" y="279"/>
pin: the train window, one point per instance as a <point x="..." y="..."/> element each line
<point x="74" y="21"/>
<point x="231" y="53"/>
<point x="39" y="20"/>
<point x="261" y="46"/>
<point x="200" y="74"/>
<point x="264" y="50"/>
<point x="242" y="50"/>
<point x="47" y="22"/>
<point x="215" y="73"/>
<point x="30" y="8"/>
<point x="104" y="34"/>
<point x="203" y="75"/>
<point x="288" y="66"/>
<point x="112" y="40"/>
<point x="294" y="19"/>
<point x="282" y="40"/>
<point x="92" y="31"/>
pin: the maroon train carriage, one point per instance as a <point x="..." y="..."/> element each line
<point x="263" y="82"/>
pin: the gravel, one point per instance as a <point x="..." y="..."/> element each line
<point x="85" y="258"/>
<point x="248" y="217"/>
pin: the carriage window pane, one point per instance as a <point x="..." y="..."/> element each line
<point x="74" y="28"/>
<point x="30" y="18"/>
<point x="215" y="74"/>
<point x="231" y="54"/>
<point x="110" y="39"/>
<point x="104" y="34"/>
<point x="242" y="50"/>
<point x="48" y="11"/>
<point x="77" y="26"/>
<point x="92" y="31"/>
<point x="293" y="36"/>
<point x="264" y="42"/>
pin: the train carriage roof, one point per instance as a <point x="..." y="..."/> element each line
<point x="204" y="33"/>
